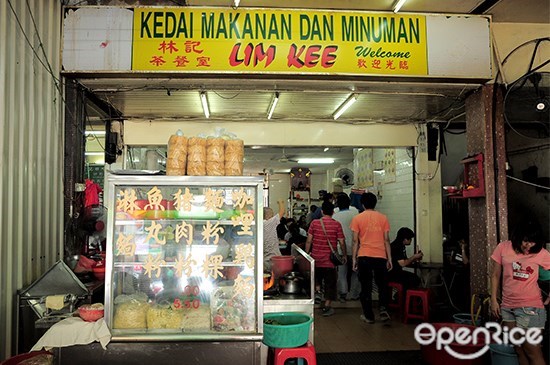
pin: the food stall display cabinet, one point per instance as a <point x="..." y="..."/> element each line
<point x="184" y="268"/>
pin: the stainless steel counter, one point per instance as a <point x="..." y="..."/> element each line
<point x="304" y="302"/>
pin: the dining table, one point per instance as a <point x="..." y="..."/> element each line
<point x="432" y="275"/>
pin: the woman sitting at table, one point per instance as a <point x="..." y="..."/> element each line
<point x="400" y="260"/>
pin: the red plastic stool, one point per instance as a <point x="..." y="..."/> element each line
<point x="417" y="304"/>
<point x="397" y="304"/>
<point x="306" y="352"/>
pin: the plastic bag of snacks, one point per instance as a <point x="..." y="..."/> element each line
<point x="176" y="162"/>
<point x="196" y="156"/>
<point x="215" y="156"/>
<point x="234" y="157"/>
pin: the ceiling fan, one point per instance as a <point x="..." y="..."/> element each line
<point x="283" y="158"/>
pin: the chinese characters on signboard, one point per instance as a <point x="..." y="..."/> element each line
<point x="251" y="40"/>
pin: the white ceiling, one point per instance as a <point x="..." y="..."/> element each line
<point x="300" y="99"/>
<point x="247" y="98"/>
<point x="502" y="11"/>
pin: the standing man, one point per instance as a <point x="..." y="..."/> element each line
<point x="372" y="256"/>
<point x="271" y="241"/>
<point x="348" y="281"/>
<point x="322" y="233"/>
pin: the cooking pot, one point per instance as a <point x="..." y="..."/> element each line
<point x="281" y="265"/>
<point x="291" y="283"/>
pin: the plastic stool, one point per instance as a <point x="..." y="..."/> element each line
<point x="416" y="310"/>
<point x="398" y="304"/>
<point x="306" y="352"/>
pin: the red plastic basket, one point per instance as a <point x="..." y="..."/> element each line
<point x="29" y="355"/>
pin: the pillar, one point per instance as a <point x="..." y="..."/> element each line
<point x="488" y="215"/>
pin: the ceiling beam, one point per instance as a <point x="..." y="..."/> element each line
<point x="484" y="6"/>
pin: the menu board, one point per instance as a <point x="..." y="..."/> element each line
<point x="183" y="257"/>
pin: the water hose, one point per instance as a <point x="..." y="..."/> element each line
<point x="472" y="306"/>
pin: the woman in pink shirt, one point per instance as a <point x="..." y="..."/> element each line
<point x="518" y="262"/>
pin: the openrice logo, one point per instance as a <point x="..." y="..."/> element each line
<point x="426" y="334"/>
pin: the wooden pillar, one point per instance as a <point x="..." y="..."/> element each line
<point x="488" y="215"/>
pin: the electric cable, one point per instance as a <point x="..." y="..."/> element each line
<point x="515" y="50"/>
<point x="528" y="183"/>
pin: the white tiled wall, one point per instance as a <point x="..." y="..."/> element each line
<point x="396" y="199"/>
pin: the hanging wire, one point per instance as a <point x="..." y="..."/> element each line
<point x="46" y="64"/>
<point x="515" y="50"/>
<point x="528" y="183"/>
<point x="46" y="67"/>
<point x="225" y="97"/>
<point x="91" y="127"/>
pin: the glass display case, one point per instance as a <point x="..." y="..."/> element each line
<point x="184" y="258"/>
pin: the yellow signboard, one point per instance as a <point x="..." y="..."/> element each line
<point x="278" y="41"/>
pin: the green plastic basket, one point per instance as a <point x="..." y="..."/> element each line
<point x="286" y="329"/>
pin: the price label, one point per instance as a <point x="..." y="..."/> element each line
<point x="186" y="303"/>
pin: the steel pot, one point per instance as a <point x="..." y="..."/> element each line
<point x="291" y="283"/>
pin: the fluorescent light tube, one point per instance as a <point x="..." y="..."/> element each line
<point x="345" y="105"/>
<point x="94" y="153"/>
<point x="204" y="102"/>
<point x="398" y="5"/>
<point x="316" y="160"/>
<point x="95" y="133"/>
<point x="273" y="104"/>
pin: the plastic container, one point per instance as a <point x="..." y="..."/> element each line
<point x="19" y="358"/>
<point x="465" y="318"/>
<point x="281" y="265"/>
<point x="503" y="355"/>
<point x="432" y="356"/>
<point x="99" y="272"/>
<point x="91" y="312"/>
<point x="286" y="329"/>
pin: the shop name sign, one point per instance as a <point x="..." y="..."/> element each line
<point x="278" y="41"/>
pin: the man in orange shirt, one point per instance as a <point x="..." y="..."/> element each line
<point x="371" y="254"/>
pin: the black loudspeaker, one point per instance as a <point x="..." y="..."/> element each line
<point x="433" y="140"/>
<point x="111" y="150"/>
